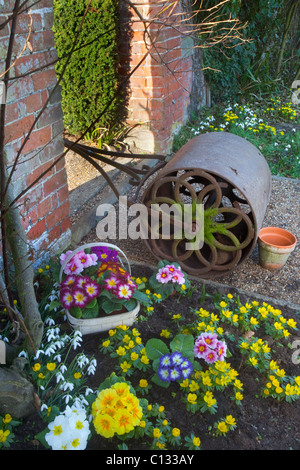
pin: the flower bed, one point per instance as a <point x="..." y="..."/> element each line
<point x="157" y="386"/>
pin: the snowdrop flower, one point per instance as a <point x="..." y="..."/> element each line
<point x="77" y="339"/>
<point x="59" y="377"/>
<point x="67" y="386"/>
<point x="92" y="367"/>
<point x="82" y="360"/>
<point x="50" y="350"/>
<point x="63" y="368"/>
<point x="22" y="353"/>
<point x="49" y="321"/>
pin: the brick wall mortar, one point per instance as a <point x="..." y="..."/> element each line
<point x="161" y="87"/>
<point x="45" y="208"/>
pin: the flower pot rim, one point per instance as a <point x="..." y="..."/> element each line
<point x="278" y="231"/>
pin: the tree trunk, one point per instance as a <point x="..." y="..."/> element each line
<point x="24" y="275"/>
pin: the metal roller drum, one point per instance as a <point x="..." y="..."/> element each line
<point x="231" y="179"/>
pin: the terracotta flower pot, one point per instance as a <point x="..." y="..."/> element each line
<point x="275" y="246"/>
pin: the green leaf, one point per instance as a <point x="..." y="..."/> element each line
<point x="110" y="306"/>
<point x="141" y="297"/>
<point x="155" y="379"/>
<point x="90" y="312"/>
<point x="183" y="344"/>
<point x="76" y="312"/>
<point x="92" y="304"/>
<point x="155" y="348"/>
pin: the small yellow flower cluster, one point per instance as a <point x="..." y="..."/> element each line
<point x="200" y="386"/>
<point x="127" y="346"/>
<point x="225" y="425"/>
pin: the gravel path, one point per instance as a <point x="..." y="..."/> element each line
<point x="282" y="211"/>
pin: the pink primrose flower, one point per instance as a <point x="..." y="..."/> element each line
<point x="200" y="349"/>
<point x="178" y="277"/>
<point x="86" y="260"/>
<point x="210" y="339"/>
<point x="73" y="267"/>
<point x="221" y="349"/>
<point x="163" y="275"/>
<point x="211" y="356"/>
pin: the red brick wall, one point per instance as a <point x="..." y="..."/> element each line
<point x="45" y="208"/>
<point x="161" y="86"/>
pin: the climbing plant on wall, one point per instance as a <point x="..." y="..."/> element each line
<point x="91" y="77"/>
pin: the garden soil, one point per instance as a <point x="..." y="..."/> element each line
<point x="262" y="423"/>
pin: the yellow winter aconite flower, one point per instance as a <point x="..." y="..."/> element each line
<point x="230" y="420"/>
<point x="192" y="398"/>
<point x="7" y="418"/>
<point x="143" y="383"/>
<point x="3" y="435"/>
<point x="36" y="367"/>
<point x="175" y="432"/>
<point x="51" y="366"/>
<point x="222" y="427"/>
<point x="157" y="433"/>
<point x="292" y="323"/>
<point x="209" y="399"/>
<point x="196" y="441"/>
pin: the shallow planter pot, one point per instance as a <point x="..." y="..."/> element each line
<point x="275" y="246"/>
<point x="107" y="322"/>
<point x="100" y="324"/>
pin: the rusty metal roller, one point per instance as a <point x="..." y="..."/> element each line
<point x="231" y="178"/>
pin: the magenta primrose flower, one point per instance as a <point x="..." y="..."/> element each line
<point x="66" y="299"/>
<point x="124" y="291"/>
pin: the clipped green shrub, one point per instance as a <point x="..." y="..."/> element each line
<point x="91" y="77"/>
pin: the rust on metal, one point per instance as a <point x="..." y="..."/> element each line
<point x="231" y="178"/>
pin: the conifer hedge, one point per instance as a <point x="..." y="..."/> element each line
<point x="91" y="76"/>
